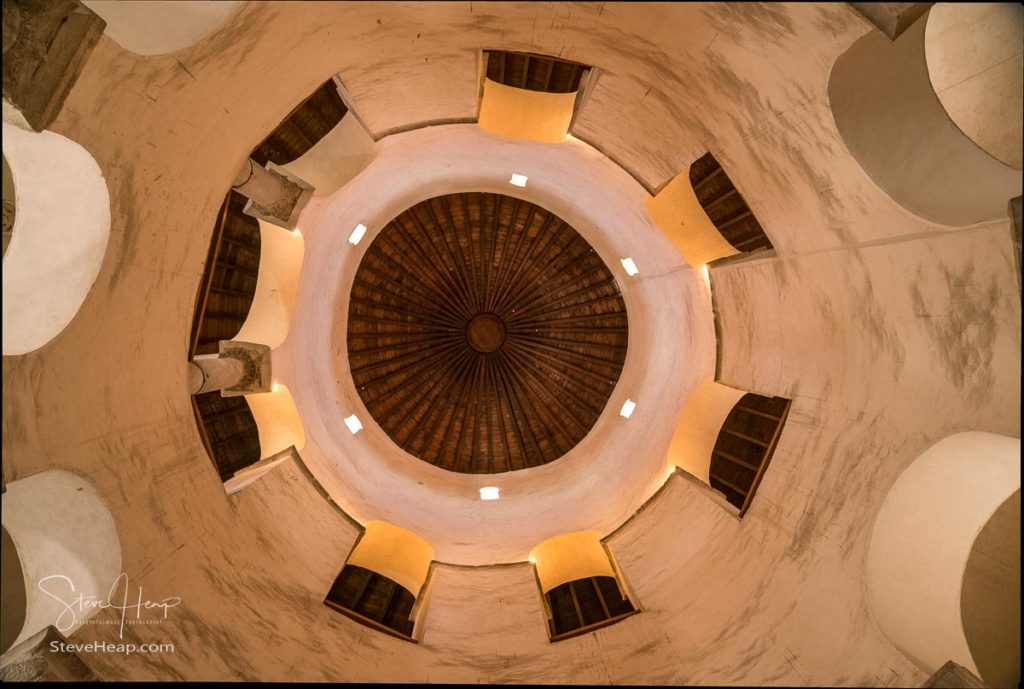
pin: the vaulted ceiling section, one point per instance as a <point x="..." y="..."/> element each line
<point x="485" y="334"/>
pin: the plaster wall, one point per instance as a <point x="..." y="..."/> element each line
<point x="569" y="557"/>
<point x="521" y="114"/>
<point x="68" y="547"/>
<point x="876" y="374"/>
<point x="680" y="216"/>
<point x="335" y="159"/>
<point x="270" y="315"/>
<point x="58" y="239"/>
<point x="975" y="56"/>
<point x="699" y="426"/>
<point x="277" y="420"/>
<point x="400" y="555"/>
<point x="923" y="538"/>
<point x="895" y="125"/>
<point x="146" y="27"/>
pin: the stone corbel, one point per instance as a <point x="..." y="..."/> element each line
<point x="240" y="368"/>
<point x="275" y="195"/>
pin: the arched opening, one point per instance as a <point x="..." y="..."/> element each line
<point x="943" y="570"/>
<point x="703" y="213"/>
<point x="579" y="584"/>
<point x="726" y="439"/>
<point x="382" y="584"/>
<point x="526" y="96"/>
<point x="888" y="114"/>
<point x="67" y="542"/>
<point x="58" y="237"/>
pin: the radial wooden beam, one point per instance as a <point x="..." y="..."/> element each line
<point x="484" y="334"/>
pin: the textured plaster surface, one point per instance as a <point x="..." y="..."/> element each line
<point x="887" y="332"/>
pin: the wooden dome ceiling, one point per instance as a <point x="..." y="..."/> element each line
<point x="484" y="333"/>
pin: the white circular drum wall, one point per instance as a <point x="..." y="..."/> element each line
<point x="615" y="468"/>
<point x="61" y="228"/>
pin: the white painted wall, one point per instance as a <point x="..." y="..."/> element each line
<point x="68" y="544"/>
<point x="924" y="535"/>
<point x="335" y="159"/>
<point x="273" y="304"/>
<point x="156" y="27"/>
<point x="975" y="56"/>
<point x="885" y="329"/>
<point x="61" y="228"/>
<point x="277" y="420"/>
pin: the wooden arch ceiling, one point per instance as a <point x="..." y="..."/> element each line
<point x="484" y="333"/>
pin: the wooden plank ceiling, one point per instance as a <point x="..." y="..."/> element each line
<point x="534" y="72"/>
<point x="484" y="333"/>
<point x="725" y="206"/>
<point x="303" y="128"/>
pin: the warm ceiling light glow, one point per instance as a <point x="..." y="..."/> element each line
<point x="630" y="266"/>
<point x="275" y="387"/>
<point x="357" y="234"/>
<point x="518" y="180"/>
<point x="533" y="560"/>
<point x="489" y="493"/>
<point x="353" y="424"/>
<point x="671" y="470"/>
<point x="627" y="408"/>
<point x="297" y="232"/>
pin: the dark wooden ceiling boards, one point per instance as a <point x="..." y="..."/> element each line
<point x="228" y="430"/>
<point x="745" y="446"/>
<point x="725" y="207"/>
<point x="228" y="285"/>
<point x="534" y="72"/>
<point x="585" y="605"/>
<point x="373" y="600"/>
<point x="484" y="333"/>
<point x="303" y="128"/>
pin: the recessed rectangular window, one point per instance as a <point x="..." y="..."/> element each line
<point x="627" y="409"/>
<point x="357" y="234"/>
<point x="724" y="206"/>
<point x="353" y="423"/>
<point x="745" y="446"/>
<point x="372" y="600"/>
<point x="518" y="180"/>
<point x="490" y="493"/>
<point x="630" y="266"/>
<point x="584" y="605"/>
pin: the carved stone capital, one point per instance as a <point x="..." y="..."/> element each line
<point x="255" y="358"/>
<point x="46" y="45"/>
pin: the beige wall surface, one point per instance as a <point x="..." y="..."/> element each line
<point x="887" y="331"/>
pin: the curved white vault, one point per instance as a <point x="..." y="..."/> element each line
<point x="617" y="466"/>
<point x="887" y="331"/>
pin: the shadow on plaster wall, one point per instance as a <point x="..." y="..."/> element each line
<point x="951" y="157"/>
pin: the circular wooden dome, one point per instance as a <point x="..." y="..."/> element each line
<point x="484" y="333"/>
